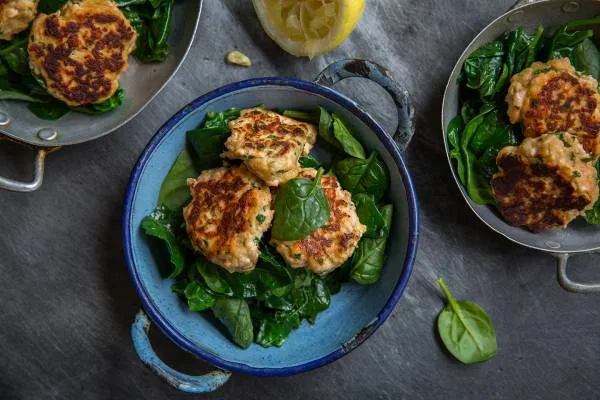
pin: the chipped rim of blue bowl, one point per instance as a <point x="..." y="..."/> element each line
<point x="413" y="225"/>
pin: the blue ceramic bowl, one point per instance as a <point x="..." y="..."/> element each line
<point x="355" y="313"/>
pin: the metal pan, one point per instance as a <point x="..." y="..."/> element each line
<point x="579" y="237"/>
<point x="141" y="82"/>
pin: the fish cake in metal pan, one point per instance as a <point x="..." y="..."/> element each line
<point x="229" y="212"/>
<point x="552" y="97"/>
<point x="332" y="245"/>
<point x="545" y="182"/>
<point x="81" y="50"/>
<point x="269" y="144"/>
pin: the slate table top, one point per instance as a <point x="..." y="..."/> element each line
<point x="66" y="301"/>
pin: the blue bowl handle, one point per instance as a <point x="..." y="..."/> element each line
<point x="355" y="68"/>
<point x="186" y="383"/>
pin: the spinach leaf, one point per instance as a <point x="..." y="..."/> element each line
<point x="369" y="257"/>
<point x="593" y="216"/>
<point x="50" y="6"/>
<point x="477" y="186"/>
<point x="577" y="45"/>
<point x="273" y="329"/>
<point x="334" y="279"/>
<point x="213" y="277"/>
<point x="326" y="128"/>
<point x="312" y="117"/>
<point x="161" y="224"/>
<point x="369" y="215"/>
<point x="466" y="330"/>
<point x="198" y="298"/>
<point x="152" y="20"/>
<point x="484" y="67"/>
<point x="586" y="59"/>
<point x="300" y="209"/>
<point x="309" y="162"/>
<point x="12" y="94"/>
<point x="368" y="176"/>
<point x="208" y="144"/>
<point x="454" y="131"/>
<point x="522" y="49"/>
<point x="174" y="192"/>
<point x="52" y="110"/>
<point x="349" y="144"/>
<point x="235" y="315"/>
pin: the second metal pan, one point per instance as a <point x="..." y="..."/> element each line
<point x="579" y="237"/>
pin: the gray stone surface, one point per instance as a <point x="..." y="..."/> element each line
<point x="66" y="301"/>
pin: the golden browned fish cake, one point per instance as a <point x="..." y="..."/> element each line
<point x="545" y="182"/>
<point x="551" y="97"/>
<point x="81" y="50"/>
<point x="229" y="212"/>
<point x="15" y="17"/>
<point x="270" y="144"/>
<point x="330" y="246"/>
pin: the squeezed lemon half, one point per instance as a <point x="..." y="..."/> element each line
<point x="308" y="27"/>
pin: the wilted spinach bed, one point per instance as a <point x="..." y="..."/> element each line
<point x="267" y="303"/>
<point x="150" y="18"/>
<point x="483" y="128"/>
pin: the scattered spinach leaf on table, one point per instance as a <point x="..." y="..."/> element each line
<point x="300" y="208"/>
<point x="466" y="330"/>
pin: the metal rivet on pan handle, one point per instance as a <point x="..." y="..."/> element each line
<point x="47" y="134"/>
<point x="4" y="118"/>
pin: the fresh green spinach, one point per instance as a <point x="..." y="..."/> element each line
<point x="309" y="162"/>
<point x="235" y="315"/>
<point x="213" y="277"/>
<point x="312" y="117"/>
<point x="300" y="209"/>
<point x="369" y="215"/>
<point x="455" y="128"/>
<point x="198" y="298"/>
<point x="161" y="224"/>
<point x="466" y="330"/>
<point x="174" y="192"/>
<point x="347" y="141"/>
<point x="368" y="176"/>
<point x="369" y="257"/>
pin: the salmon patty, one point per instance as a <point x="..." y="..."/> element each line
<point x="552" y="97"/>
<point x="81" y="50"/>
<point x="15" y="17"/>
<point x="545" y="182"/>
<point x="269" y="144"/>
<point x="330" y="246"/>
<point x="229" y="212"/>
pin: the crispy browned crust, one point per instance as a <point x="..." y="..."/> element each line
<point x="565" y="105"/>
<point x="221" y="218"/>
<point x="331" y="245"/>
<point x="81" y="51"/>
<point x="545" y="188"/>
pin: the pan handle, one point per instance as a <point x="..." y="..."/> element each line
<point x="186" y="383"/>
<point x="356" y="68"/>
<point x="35" y="183"/>
<point x="567" y="283"/>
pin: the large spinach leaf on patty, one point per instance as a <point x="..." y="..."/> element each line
<point x="300" y="209"/>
